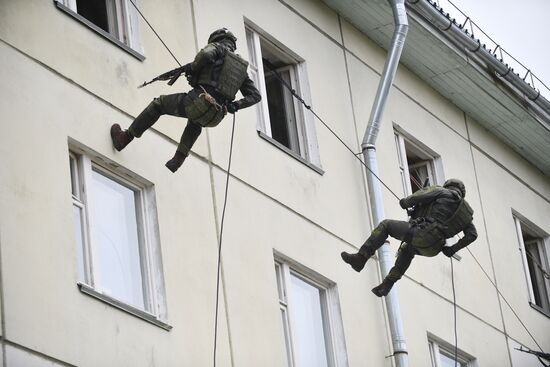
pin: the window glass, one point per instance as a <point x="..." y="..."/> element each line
<point x="537" y="273"/>
<point x="79" y="234"/>
<point x="535" y="262"/>
<point x="444" y="356"/>
<point x="116" y="239"/>
<point x="281" y="110"/>
<point x="447" y="361"/>
<point x="95" y="11"/>
<point x="308" y="324"/>
<point x="117" y="244"/>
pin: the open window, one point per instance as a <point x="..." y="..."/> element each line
<point x="533" y="245"/>
<point x="116" y="236"/>
<point x="416" y="164"/>
<point x="115" y="19"/>
<point x="281" y="117"/>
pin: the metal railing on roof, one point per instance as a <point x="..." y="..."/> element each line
<point x="469" y="27"/>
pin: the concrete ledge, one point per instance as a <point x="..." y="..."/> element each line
<point x="290" y="152"/>
<point x="86" y="289"/>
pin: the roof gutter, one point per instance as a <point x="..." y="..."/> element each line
<point x="470" y="43"/>
<point x="375" y="189"/>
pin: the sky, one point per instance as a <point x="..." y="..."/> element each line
<point x="522" y="28"/>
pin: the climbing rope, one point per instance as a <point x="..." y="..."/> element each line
<point x="155" y="32"/>
<point x="221" y="240"/>
<point x="224" y="200"/>
<point x="300" y="99"/>
<point x="454" y="309"/>
<point x="505" y="300"/>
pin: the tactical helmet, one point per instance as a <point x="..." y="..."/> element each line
<point x="455" y="182"/>
<point x="221" y="34"/>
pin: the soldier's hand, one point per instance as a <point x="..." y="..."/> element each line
<point x="187" y="68"/>
<point x="232" y="107"/>
<point x="403" y="204"/>
<point x="448" y="251"/>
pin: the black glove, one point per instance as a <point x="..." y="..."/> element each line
<point x="448" y="251"/>
<point x="403" y="204"/>
<point x="232" y="107"/>
<point x="186" y="69"/>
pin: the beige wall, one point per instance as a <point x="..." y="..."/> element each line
<point x="61" y="81"/>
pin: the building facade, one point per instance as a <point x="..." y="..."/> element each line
<point x="109" y="259"/>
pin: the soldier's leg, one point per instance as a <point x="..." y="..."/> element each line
<point x="188" y="138"/>
<point x="395" y="228"/>
<point x="404" y="258"/>
<point x="172" y="104"/>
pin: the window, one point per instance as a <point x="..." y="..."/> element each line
<point x="311" y="320"/>
<point x="416" y="163"/>
<point x="116" y="237"/>
<point x="281" y="117"/>
<point x="116" y="18"/>
<point x="533" y="248"/>
<point x="443" y="355"/>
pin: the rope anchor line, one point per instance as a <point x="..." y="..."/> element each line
<point x="397" y="197"/>
<point x="356" y="155"/>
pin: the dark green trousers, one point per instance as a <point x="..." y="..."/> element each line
<point x="397" y="229"/>
<point x="173" y="105"/>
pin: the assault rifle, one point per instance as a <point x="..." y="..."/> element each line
<point x="171" y="75"/>
<point x="540" y="355"/>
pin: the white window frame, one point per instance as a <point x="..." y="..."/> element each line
<point x="82" y="163"/>
<point x="330" y="308"/>
<point x="438" y="346"/>
<point x="432" y="161"/>
<point x="123" y="20"/>
<point x="542" y="242"/>
<point x="305" y="125"/>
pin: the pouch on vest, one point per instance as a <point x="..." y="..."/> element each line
<point x="204" y="113"/>
<point x="428" y="239"/>
<point x="459" y="220"/>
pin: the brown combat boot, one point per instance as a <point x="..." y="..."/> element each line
<point x="384" y="288"/>
<point x="176" y="161"/>
<point x="120" y="138"/>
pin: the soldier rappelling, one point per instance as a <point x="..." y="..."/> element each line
<point x="437" y="213"/>
<point x="216" y="75"/>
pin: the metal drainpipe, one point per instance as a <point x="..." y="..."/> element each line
<point x="375" y="189"/>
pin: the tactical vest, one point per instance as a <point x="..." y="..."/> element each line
<point x="226" y="75"/>
<point x="458" y="221"/>
<point x="429" y="238"/>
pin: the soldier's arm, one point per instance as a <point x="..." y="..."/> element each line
<point x="470" y="235"/>
<point x="207" y="55"/>
<point x="422" y="196"/>
<point x="251" y="95"/>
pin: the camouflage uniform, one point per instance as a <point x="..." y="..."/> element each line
<point x="215" y="72"/>
<point x="439" y="213"/>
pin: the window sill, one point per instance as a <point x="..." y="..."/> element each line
<point x="98" y="30"/>
<point x="290" y="152"/>
<point x="86" y="289"/>
<point x="539" y="309"/>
